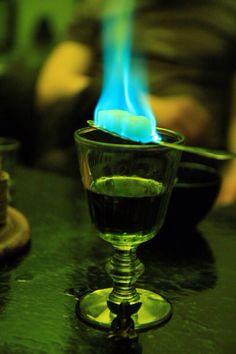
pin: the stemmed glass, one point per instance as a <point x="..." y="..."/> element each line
<point x="128" y="186"/>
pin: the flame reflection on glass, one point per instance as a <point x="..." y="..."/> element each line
<point x="123" y="106"/>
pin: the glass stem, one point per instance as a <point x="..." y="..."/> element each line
<point x="124" y="268"/>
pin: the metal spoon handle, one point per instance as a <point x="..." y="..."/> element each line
<point x="210" y="153"/>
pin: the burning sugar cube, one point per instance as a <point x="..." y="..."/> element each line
<point x="126" y="125"/>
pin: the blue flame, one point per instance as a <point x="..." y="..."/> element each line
<point x="123" y="106"/>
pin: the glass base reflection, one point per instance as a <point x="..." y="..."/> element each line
<point x="154" y="311"/>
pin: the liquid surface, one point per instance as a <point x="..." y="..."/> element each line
<point x="124" y="206"/>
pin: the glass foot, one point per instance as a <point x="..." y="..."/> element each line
<point x="92" y="308"/>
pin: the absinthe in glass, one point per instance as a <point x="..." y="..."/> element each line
<point x="126" y="209"/>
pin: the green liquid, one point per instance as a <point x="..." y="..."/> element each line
<point x="126" y="209"/>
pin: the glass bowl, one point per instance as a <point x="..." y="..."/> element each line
<point x="193" y="196"/>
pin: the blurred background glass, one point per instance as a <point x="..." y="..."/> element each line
<point x="28" y="32"/>
<point x="9" y="149"/>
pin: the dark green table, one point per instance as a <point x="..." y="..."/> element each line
<point x="196" y="272"/>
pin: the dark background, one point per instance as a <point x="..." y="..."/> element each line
<point x="28" y="31"/>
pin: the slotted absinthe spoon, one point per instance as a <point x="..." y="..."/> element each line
<point x="210" y="153"/>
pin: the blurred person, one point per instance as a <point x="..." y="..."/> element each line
<point x="190" y="50"/>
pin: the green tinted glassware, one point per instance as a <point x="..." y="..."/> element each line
<point x="128" y="186"/>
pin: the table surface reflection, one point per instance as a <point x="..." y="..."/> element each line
<point x="195" y="270"/>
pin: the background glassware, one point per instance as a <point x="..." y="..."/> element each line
<point x="9" y="149"/>
<point x="128" y="186"/>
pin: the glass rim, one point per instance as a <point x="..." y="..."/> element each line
<point x="147" y="146"/>
<point x="8" y="144"/>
